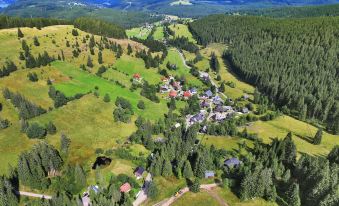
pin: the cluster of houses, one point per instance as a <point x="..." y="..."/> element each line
<point x="174" y="88"/>
<point x="213" y="109"/>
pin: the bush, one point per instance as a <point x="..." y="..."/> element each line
<point x="141" y="105"/>
<point x="4" y="123"/>
<point x="75" y="32"/>
<point x="107" y="98"/>
<point x="51" y="128"/>
<point x="35" y="131"/>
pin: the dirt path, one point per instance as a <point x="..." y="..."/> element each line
<point x="216" y="196"/>
<point x="30" y="194"/>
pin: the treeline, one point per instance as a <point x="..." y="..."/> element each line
<point x="26" y="108"/>
<point x="184" y="44"/>
<point x="295" y="12"/>
<point x="8" y="68"/>
<point x="100" y="27"/>
<point x="12" y="22"/>
<point x="34" y="166"/>
<point x="292" y="61"/>
<point x="153" y="45"/>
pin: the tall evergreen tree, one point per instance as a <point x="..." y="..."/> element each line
<point x="20" y="34"/>
<point x="318" y="137"/>
<point x="292" y="195"/>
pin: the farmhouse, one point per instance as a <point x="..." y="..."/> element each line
<point x="173" y="94"/>
<point x="137" y="79"/>
<point x="125" y="188"/>
<point x="209" y="174"/>
<point x="138" y="172"/>
<point x="232" y="162"/>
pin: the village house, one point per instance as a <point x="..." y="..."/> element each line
<point x="217" y="100"/>
<point x="187" y="94"/>
<point x="193" y="91"/>
<point x="137" y="79"/>
<point x="173" y="94"/>
<point x="208" y="94"/>
<point x="204" y="76"/>
<point x="125" y="188"/>
<point x="232" y="162"/>
<point x="138" y="172"/>
<point x="209" y="174"/>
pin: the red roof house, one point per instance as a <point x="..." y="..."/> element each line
<point x="125" y="187"/>
<point x="173" y="93"/>
<point x="136" y="76"/>
<point x="187" y="94"/>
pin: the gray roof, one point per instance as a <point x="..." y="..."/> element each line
<point x="232" y="162"/>
<point x="209" y="93"/>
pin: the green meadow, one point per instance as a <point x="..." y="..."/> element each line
<point x="181" y="30"/>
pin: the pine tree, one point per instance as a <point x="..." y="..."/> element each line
<point x="214" y="63"/>
<point x="20" y="34"/>
<point x="187" y="172"/>
<point x="292" y="195"/>
<point x="89" y="62"/>
<point x="129" y="49"/>
<point x="166" y="168"/>
<point x="141" y="105"/>
<point x="51" y="128"/>
<point x="318" y="137"/>
<point x="36" y="41"/>
<point x="107" y="98"/>
<point x="195" y="187"/>
<point x="100" y="61"/>
<point x="64" y="144"/>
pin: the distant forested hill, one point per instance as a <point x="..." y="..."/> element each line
<point x="294" y="62"/>
<point x="67" y="9"/>
<point x="296" y="12"/>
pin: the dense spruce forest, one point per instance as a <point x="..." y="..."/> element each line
<point x="11" y="22"/>
<point x="296" y="12"/>
<point x="292" y="61"/>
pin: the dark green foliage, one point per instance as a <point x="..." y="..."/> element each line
<point x="64" y="144"/>
<point x="107" y="98"/>
<point x="124" y="110"/>
<point x="184" y="44"/>
<point x="99" y="27"/>
<point x="35" y="131"/>
<point x="214" y="63"/>
<point x="51" y="128"/>
<point x="193" y="105"/>
<point x="33" y="166"/>
<point x="166" y="168"/>
<point x="72" y="181"/>
<point x="129" y="49"/>
<point x="292" y="195"/>
<point x="318" y="137"/>
<point x="33" y="77"/>
<point x="102" y="69"/>
<point x="12" y="22"/>
<point x="75" y="32"/>
<point x="8" y="196"/>
<point x="100" y="61"/>
<point x="4" y="123"/>
<point x="333" y="156"/>
<point x="148" y="59"/>
<point x="36" y="41"/>
<point x="150" y="92"/>
<point x="153" y="45"/>
<point x="41" y="60"/>
<point x="89" y="62"/>
<point x="8" y="68"/>
<point x="152" y="190"/>
<point x="26" y="108"/>
<point x="20" y="34"/>
<point x="291" y="61"/>
<point x="141" y="105"/>
<point x="195" y="187"/>
<point x="187" y="171"/>
<point x="59" y="98"/>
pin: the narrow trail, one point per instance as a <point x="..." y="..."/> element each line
<point x="30" y="194"/>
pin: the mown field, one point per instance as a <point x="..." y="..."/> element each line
<point x="181" y="30"/>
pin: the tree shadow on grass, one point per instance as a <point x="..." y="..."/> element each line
<point x="307" y="139"/>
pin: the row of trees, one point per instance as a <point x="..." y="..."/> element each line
<point x="184" y="44"/>
<point x="11" y="22"/>
<point x="26" y="108"/>
<point x="8" y="68"/>
<point x="292" y="61"/>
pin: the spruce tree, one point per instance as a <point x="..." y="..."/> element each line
<point x="36" y="41"/>
<point x="318" y="137"/>
<point x="195" y="187"/>
<point x="129" y="49"/>
<point x="100" y="61"/>
<point x="166" y="168"/>
<point x="89" y="62"/>
<point x="107" y="98"/>
<point x="187" y="172"/>
<point x="64" y="144"/>
<point x="292" y="195"/>
<point x="20" y="34"/>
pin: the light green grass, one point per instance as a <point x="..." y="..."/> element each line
<point x="282" y="125"/>
<point x="174" y="58"/>
<point x="140" y="32"/>
<point x="233" y="200"/>
<point x="159" y="33"/>
<point x="196" y="199"/>
<point x="132" y="65"/>
<point x="181" y="30"/>
<point x="224" y="142"/>
<point x="82" y="82"/>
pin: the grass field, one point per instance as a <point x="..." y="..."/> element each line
<point x="159" y="33"/>
<point x="174" y="58"/>
<point x="222" y="142"/>
<point x="181" y="30"/>
<point x="301" y="131"/>
<point x="83" y="82"/>
<point x="140" y="32"/>
<point x="196" y="199"/>
<point x="233" y="200"/>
